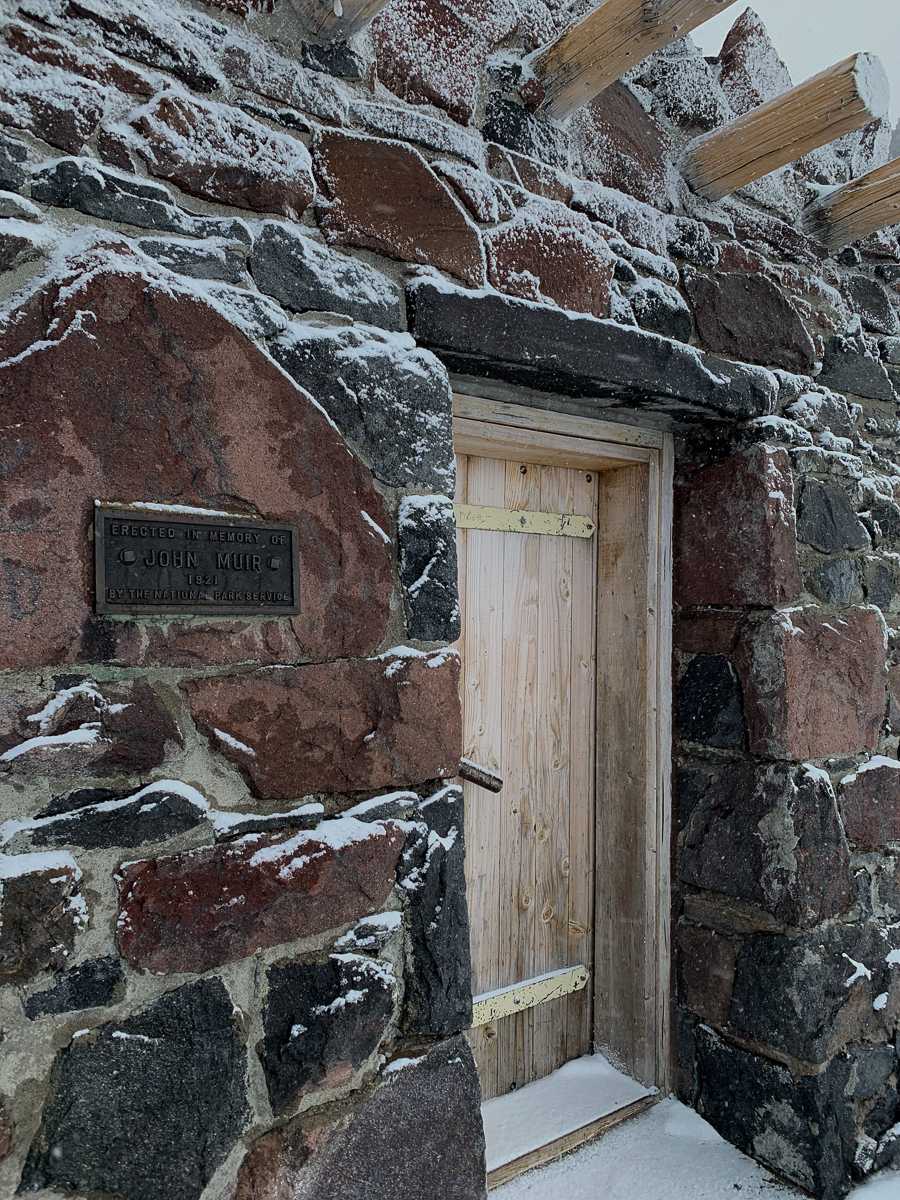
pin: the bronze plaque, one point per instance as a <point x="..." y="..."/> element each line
<point x="156" y="560"/>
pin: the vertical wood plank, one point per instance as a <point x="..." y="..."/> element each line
<point x="483" y="741"/>
<point x="552" y="809"/>
<point x="621" y="1020"/>
<point x="521" y="565"/>
<point x="582" y="758"/>
<point x="663" y="687"/>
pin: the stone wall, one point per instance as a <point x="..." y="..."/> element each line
<point x="237" y="267"/>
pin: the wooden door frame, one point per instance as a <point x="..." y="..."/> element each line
<point x="632" y="929"/>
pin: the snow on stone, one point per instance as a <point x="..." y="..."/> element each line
<point x="876" y="762"/>
<point x="861" y="971"/>
<point x="121" y="1035"/>
<point x="161" y="787"/>
<point x="13" y="866"/>
<point x="379" y="532"/>
<point x="85" y="735"/>
<point x="880" y="1002"/>
<point x="398" y="654"/>
<point x="156" y="506"/>
<point x="376" y="802"/>
<point x="294" y="853"/>
<point x="235" y="744"/>
<point x="400" y="1064"/>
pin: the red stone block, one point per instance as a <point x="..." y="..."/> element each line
<point x="814" y="683"/>
<point x="102" y="68"/>
<point x="63" y="110"/>
<point x="621" y="146"/>
<point x="735" y="535"/>
<point x="200" y="909"/>
<point x="336" y="727"/>
<point x="219" y="152"/>
<point x="548" y="252"/>
<point x="434" y="51"/>
<point x="189" y="410"/>
<point x="385" y="197"/>
<point x="870" y="804"/>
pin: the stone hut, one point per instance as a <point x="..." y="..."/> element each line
<point x="266" y="266"/>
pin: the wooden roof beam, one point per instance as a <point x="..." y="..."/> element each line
<point x="597" y="50"/>
<point x="839" y="100"/>
<point x="861" y="207"/>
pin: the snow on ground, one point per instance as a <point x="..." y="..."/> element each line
<point x="668" y="1153"/>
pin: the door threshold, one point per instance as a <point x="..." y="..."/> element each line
<point x="546" y="1119"/>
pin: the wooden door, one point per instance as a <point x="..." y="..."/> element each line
<point x="529" y="684"/>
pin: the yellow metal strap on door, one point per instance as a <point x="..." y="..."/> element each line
<point x="512" y="520"/>
<point x="517" y="997"/>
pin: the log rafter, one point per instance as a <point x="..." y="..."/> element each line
<point x="858" y="209"/>
<point x="610" y="40"/>
<point x="842" y="99"/>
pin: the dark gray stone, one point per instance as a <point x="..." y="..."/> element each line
<point x="827" y="520"/>
<point x="709" y="705"/>
<point x="871" y="301"/>
<point x="145" y="1108"/>
<point x="885" y="517"/>
<point x="512" y="126"/>
<point x="83" y="184"/>
<point x="322" y="1021"/>
<point x="439" y="979"/>
<point x="799" y="1126"/>
<point x="91" y="984"/>
<point x="211" y="258"/>
<point x="417" y="1136"/>
<point x="692" y="241"/>
<point x="390" y="400"/>
<point x="661" y="309"/>
<point x="304" y="275"/>
<point x="21" y="244"/>
<point x="767" y="834"/>
<point x="480" y="333"/>
<point x="806" y="995"/>
<point x="13" y="163"/>
<point x="849" y="367"/>
<point x="150" y="815"/>
<point x="426" y="529"/>
<point x="836" y="581"/>
<point x="334" y="58"/>
<point x="882" y="582"/>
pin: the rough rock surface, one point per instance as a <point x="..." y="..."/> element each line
<point x="184" y="1051"/>
<point x="795" y="863"/>
<point x="749" y="317"/>
<point x="383" y="196"/>
<point x="343" y="726"/>
<point x="303" y="275"/>
<point x="208" y="449"/>
<point x="222" y="154"/>
<point x="756" y="559"/>
<point x="374" y="1152"/>
<point x="426" y="528"/>
<point x="321" y="1022"/>
<point x="41" y="911"/>
<point x="202" y="908"/>
<point x="91" y="984"/>
<point x="439" y="987"/>
<point x="390" y="399"/>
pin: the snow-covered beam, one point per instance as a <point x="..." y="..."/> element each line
<point x="597" y="50"/>
<point x="857" y="209"/>
<point x="334" y="20"/>
<point x="839" y="100"/>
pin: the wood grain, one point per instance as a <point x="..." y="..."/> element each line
<point x="839" y="100"/>
<point x="615" y="36"/>
<point x="856" y="210"/>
